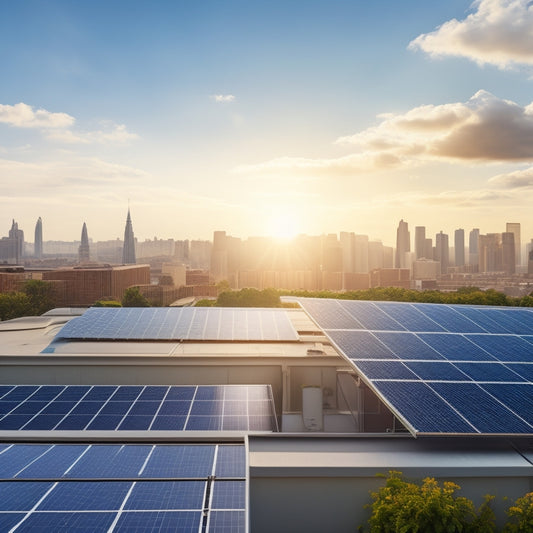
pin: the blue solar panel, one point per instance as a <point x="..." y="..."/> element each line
<point x="489" y="372"/>
<point x="151" y="408"/>
<point x="182" y="521"/>
<point x="53" y="462"/>
<point x="180" y="323"/>
<point x="407" y="346"/>
<point x="505" y="348"/>
<point x="185" y="461"/>
<point x="385" y="370"/>
<point x="451" y="320"/>
<point x="487" y="414"/>
<point x="525" y="370"/>
<point x="421" y="408"/>
<point x="227" y="521"/>
<point x="170" y="495"/>
<point x="371" y="316"/>
<point x="228" y="495"/>
<point x="82" y="522"/>
<point x="231" y="461"/>
<point x="518" y="398"/>
<point x="409" y="316"/>
<point x="360" y="345"/>
<point x="483" y="317"/>
<point x="455" y="347"/>
<point x="440" y="371"/>
<point x="22" y="496"/>
<point x="517" y="321"/>
<point x="329" y="314"/>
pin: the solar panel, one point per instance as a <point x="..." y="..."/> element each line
<point x="174" y="487"/>
<point x="188" y="323"/>
<point x="150" y="408"/>
<point x="441" y="368"/>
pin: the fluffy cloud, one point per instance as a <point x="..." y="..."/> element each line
<point x="485" y="128"/>
<point x="520" y="179"/>
<point x="59" y="126"/>
<point x="223" y="98"/>
<point x="499" y="32"/>
<point x="24" y="116"/>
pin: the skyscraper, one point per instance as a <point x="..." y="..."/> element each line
<point x="514" y="228"/>
<point x="459" y="243"/>
<point x="128" y="253"/>
<point x="420" y="242"/>
<point x="473" y="247"/>
<point x="83" y="250"/>
<point x="17" y="236"/>
<point x="403" y="244"/>
<point x="38" y="250"/>
<point x="508" y="253"/>
<point x="442" y="251"/>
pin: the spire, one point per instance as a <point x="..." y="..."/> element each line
<point x="83" y="251"/>
<point x="128" y="253"/>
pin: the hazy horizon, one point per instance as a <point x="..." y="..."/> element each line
<point x="266" y="119"/>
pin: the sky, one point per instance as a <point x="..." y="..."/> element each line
<point x="265" y="118"/>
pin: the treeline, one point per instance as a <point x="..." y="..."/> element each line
<point x="465" y="296"/>
<point x="35" y="298"/>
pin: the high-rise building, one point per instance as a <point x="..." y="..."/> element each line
<point x="490" y="252"/>
<point x="473" y="247"/>
<point x="508" y="253"/>
<point x="361" y="253"/>
<point x="128" y="253"/>
<point x="459" y="244"/>
<point x="17" y="237"/>
<point x="442" y="251"/>
<point x="83" y="251"/>
<point x="38" y="247"/>
<point x="420" y="242"/>
<point x="403" y="244"/>
<point x="514" y="228"/>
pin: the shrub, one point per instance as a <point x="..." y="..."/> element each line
<point x="407" y="507"/>
<point x="520" y="515"/>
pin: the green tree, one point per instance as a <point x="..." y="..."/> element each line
<point x="107" y="303"/>
<point x="133" y="298"/>
<point x="521" y="515"/>
<point x="41" y="296"/>
<point x="14" y="305"/>
<point x="407" y="507"/>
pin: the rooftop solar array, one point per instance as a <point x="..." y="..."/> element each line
<point x="141" y="488"/>
<point x="131" y="407"/>
<point x="185" y="323"/>
<point x="440" y="368"/>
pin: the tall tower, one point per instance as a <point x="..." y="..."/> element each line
<point x="128" y="253"/>
<point x="403" y="244"/>
<point x="514" y="228"/>
<point x="473" y="247"/>
<point x="17" y="238"/>
<point x="459" y="243"/>
<point x="83" y="250"/>
<point x="442" y="251"/>
<point x="420" y="242"/>
<point x="38" y="250"/>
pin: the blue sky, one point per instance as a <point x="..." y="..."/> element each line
<point x="265" y="117"/>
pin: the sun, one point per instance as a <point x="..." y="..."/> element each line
<point x="282" y="225"/>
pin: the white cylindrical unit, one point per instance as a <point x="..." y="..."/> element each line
<point x="312" y="408"/>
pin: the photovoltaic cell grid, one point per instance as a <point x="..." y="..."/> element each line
<point x="440" y="368"/>
<point x="184" y="323"/>
<point x="131" y="407"/>
<point x="185" y="487"/>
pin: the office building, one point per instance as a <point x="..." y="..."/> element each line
<point x="514" y="228"/>
<point x="403" y="244"/>
<point x="508" y="253"/>
<point x="442" y="252"/>
<point x="420" y="242"/>
<point x="473" y="247"/>
<point x="459" y="244"/>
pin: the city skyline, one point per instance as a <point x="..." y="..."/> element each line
<point x="271" y="119"/>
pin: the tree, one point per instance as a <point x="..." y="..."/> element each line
<point x="14" y="305"/>
<point x="41" y="296"/>
<point x="133" y="298"/>
<point x="107" y="303"/>
<point x="521" y="515"/>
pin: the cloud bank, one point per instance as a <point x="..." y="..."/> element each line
<point x="499" y="32"/>
<point x="223" y="98"/>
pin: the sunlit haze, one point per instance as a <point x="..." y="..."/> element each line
<point x="265" y="118"/>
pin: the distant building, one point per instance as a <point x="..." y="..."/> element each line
<point x="490" y="253"/>
<point x="420" y="242"/>
<point x="459" y="244"/>
<point x="390" y="277"/>
<point x="403" y="244"/>
<point x="83" y="251"/>
<point x="425" y="269"/>
<point x="508" y="253"/>
<point x="128" y="253"/>
<point x="473" y="247"/>
<point x="442" y="251"/>
<point x="38" y="248"/>
<point x="84" y="286"/>
<point x="514" y="228"/>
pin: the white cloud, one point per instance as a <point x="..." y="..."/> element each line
<point x="520" y="179"/>
<point x="485" y="128"/>
<point x="116" y="133"/>
<point x="223" y="98"/>
<point x="24" y="116"/>
<point x="499" y="32"/>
